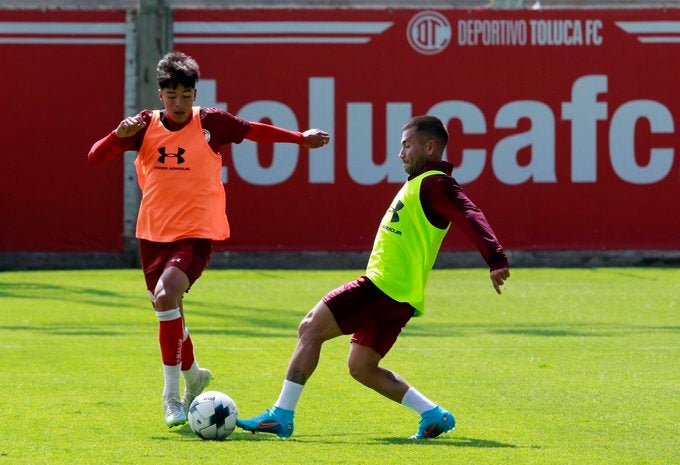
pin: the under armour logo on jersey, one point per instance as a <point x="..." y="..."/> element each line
<point x="178" y="155"/>
<point x="394" y="210"/>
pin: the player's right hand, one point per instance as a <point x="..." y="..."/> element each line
<point x="315" y="138"/>
<point x="130" y="126"/>
<point x="498" y="278"/>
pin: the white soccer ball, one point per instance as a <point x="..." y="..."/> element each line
<point x="212" y="415"/>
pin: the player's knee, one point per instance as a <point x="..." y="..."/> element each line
<point x="164" y="301"/>
<point x="359" y="371"/>
<point x="317" y="327"/>
<point x="306" y="328"/>
<point x="302" y="327"/>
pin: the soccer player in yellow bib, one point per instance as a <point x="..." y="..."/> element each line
<point x="375" y="307"/>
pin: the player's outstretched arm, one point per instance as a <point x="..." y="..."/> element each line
<point x="498" y="278"/>
<point x="311" y="138"/>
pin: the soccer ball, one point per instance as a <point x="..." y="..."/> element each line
<point x="212" y="415"/>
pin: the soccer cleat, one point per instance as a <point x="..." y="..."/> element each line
<point x="174" y="412"/>
<point x="204" y="376"/>
<point x="434" y="422"/>
<point x="276" y="421"/>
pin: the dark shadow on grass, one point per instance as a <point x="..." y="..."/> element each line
<point x="352" y="439"/>
<point x="248" y="321"/>
<point x="61" y="330"/>
<point x="17" y="289"/>
<point x="247" y="436"/>
<point x="545" y="332"/>
<point x="589" y="330"/>
<point x="538" y="330"/>
<point x="450" y="442"/>
<point x="120" y="330"/>
<point x="257" y="316"/>
<point x="233" y="320"/>
<point x="630" y="273"/>
<point x="186" y="433"/>
<point x="83" y="295"/>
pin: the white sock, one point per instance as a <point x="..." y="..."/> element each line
<point x="168" y="315"/>
<point x="171" y="374"/>
<point x="191" y="375"/>
<point x="290" y="394"/>
<point x="416" y="401"/>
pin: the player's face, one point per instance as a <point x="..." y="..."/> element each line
<point x="415" y="151"/>
<point x="178" y="102"/>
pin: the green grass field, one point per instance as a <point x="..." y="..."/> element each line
<point x="568" y="366"/>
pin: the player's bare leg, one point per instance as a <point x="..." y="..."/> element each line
<point x="363" y="366"/>
<point x="316" y="327"/>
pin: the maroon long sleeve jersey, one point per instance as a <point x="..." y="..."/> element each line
<point x="444" y="202"/>
<point x="219" y="126"/>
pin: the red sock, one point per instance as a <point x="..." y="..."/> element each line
<point x="170" y="335"/>
<point x="187" y="353"/>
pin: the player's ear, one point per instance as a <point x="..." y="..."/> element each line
<point x="431" y="146"/>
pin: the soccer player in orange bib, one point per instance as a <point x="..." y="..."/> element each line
<point x="183" y="205"/>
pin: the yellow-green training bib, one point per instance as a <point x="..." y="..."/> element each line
<point x="405" y="247"/>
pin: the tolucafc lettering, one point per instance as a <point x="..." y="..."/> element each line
<point x="586" y="116"/>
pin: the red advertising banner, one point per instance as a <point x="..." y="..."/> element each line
<point x="64" y="75"/>
<point x="563" y="124"/>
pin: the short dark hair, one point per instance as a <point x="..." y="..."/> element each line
<point x="177" y="68"/>
<point x="429" y="126"/>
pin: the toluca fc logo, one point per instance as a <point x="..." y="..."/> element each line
<point x="429" y="32"/>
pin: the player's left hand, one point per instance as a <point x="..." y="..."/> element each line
<point x="498" y="277"/>
<point x="315" y="138"/>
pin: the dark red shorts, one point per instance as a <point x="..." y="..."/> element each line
<point x="373" y="318"/>
<point x="189" y="255"/>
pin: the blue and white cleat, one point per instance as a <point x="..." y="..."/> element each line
<point x="174" y="412"/>
<point x="434" y="422"/>
<point x="276" y="421"/>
